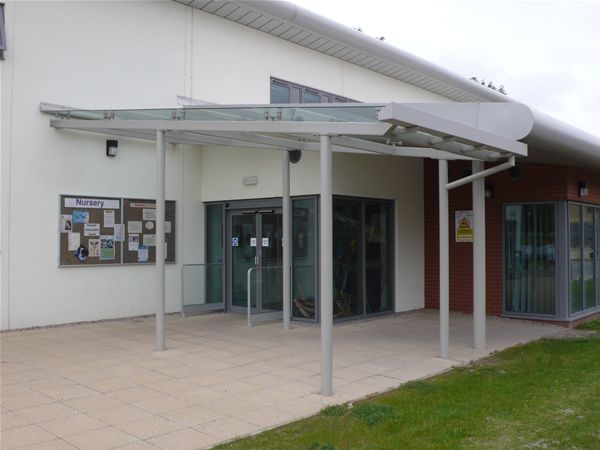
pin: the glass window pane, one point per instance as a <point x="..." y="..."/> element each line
<point x="304" y="248"/>
<point x="529" y="252"/>
<point x="575" y="241"/>
<point x="214" y="253"/>
<point x="588" y="258"/>
<point x="280" y="93"/>
<point x="347" y="257"/>
<point x="378" y="252"/>
<point x="310" y="97"/>
<point x="243" y="229"/>
<point x="272" y="261"/>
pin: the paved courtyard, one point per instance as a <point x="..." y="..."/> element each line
<point x="101" y="385"/>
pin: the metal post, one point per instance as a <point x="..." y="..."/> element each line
<point x="478" y="258"/>
<point x="160" y="239"/>
<point x="444" y="259"/>
<point x="326" y="257"/>
<point x="249" y="295"/>
<point x="287" y="238"/>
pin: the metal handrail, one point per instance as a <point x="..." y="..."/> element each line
<point x="249" y="290"/>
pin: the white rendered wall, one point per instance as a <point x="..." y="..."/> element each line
<point x="144" y="54"/>
<point x="374" y="176"/>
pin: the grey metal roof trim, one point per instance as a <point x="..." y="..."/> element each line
<point x="303" y="27"/>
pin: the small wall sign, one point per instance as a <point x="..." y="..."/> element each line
<point x="463" y="226"/>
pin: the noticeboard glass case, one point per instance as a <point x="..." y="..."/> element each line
<point x="95" y="230"/>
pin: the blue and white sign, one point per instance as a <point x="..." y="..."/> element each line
<point x="235" y="242"/>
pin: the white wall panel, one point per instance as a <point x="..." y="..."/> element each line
<point x="143" y="54"/>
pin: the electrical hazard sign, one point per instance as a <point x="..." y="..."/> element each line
<point x="463" y="225"/>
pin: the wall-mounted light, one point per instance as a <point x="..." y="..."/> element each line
<point x="295" y="156"/>
<point x="112" y="148"/>
<point x="489" y="190"/>
<point x="514" y="172"/>
<point x="582" y="188"/>
<point x="250" y="181"/>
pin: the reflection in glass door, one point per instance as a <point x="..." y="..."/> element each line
<point x="256" y="242"/>
<point x="243" y="256"/>
<point x="271" y="225"/>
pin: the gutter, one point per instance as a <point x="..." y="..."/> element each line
<point x="547" y="133"/>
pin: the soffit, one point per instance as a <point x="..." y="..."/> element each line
<point x="244" y="14"/>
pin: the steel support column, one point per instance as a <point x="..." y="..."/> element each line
<point x="478" y="257"/>
<point x="287" y="238"/>
<point x="160" y="239"/>
<point x="326" y="257"/>
<point x="444" y="259"/>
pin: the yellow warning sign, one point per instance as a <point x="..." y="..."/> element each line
<point x="463" y="221"/>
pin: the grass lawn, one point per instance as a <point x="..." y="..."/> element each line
<point x="541" y="395"/>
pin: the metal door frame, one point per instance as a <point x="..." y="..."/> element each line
<point x="235" y="210"/>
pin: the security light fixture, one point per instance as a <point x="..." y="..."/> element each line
<point x="489" y="190"/>
<point x="112" y="148"/>
<point x="514" y="172"/>
<point x="582" y="188"/>
<point x="295" y="156"/>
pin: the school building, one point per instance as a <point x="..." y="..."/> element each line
<point x="295" y="169"/>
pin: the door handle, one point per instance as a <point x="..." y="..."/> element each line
<point x="256" y="260"/>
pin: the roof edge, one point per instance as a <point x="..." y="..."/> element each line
<point x="305" y="18"/>
<point x="547" y="132"/>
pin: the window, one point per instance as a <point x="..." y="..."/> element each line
<point x="286" y="92"/>
<point x="530" y="259"/>
<point x="280" y="93"/>
<point x="362" y="256"/>
<point x="214" y="253"/>
<point x="584" y="271"/>
<point x="2" y="32"/>
<point x="304" y="258"/>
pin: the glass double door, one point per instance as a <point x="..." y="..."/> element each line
<point x="256" y="243"/>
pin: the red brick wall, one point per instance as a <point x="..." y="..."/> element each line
<point x="536" y="183"/>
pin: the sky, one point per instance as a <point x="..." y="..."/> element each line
<point x="546" y="54"/>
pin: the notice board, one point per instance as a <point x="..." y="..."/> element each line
<point x="90" y="230"/>
<point x="139" y="219"/>
<point x="96" y="230"/>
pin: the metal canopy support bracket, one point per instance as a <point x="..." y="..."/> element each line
<point x="326" y="258"/>
<point x="287" y="238"/>
<point x="479" y="281"/>
<point x="444" y="259"/>
<point x="485" y="173"/>
<point x="160" y="238"/>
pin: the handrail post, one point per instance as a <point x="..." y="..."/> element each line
<point x="249" y="290"/>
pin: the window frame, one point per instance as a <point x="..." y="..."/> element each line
<point x="558" y="229"/>
<point x="392" y="245"/>
<point x="574" y="315"/>
<point x="297" y="93"/>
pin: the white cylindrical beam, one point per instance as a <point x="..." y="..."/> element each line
<point x="444" y="259"/>
<point x="287" y="238"/>
<point x="478" y="257"/>
<point x="326" y="257"/>
<point x="160" y="239"/>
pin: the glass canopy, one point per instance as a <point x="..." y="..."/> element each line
<point x="384" y="128"/>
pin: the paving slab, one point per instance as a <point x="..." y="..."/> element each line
<point x="102" y="385"/>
